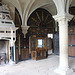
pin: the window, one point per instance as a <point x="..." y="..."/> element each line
<point x="40" y="43"/>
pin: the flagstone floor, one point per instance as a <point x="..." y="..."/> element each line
<point x="33" y="67"/>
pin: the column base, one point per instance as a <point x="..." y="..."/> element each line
<point x="63" y="71"/>
<point x="11" y="62"/>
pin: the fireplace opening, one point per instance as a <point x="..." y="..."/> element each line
<point x="4" y="51"/>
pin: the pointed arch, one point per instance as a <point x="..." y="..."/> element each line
<point x="16" y="4"/>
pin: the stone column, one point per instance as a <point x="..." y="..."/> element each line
<point x="14" y="53"/>
<point x="11" y="54"/>
<point x="11" y="49"/>
<point x="63" y="42"/>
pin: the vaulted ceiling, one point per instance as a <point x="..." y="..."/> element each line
<point x="26" y="7"/>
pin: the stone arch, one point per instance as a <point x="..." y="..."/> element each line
<point x="40" y="17"/>
<point x="45" y="5"/>
<point x="18" y="19"/>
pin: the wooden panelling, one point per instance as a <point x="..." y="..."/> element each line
<point x="24" y="53"/>
<point x="17" y="55"/>
<point x="39" y="54"/>
<point x="71" y="30"/>
<point x="48" y="43"/>
<point x="71" y="51"/>
<point x="71" y="41"/>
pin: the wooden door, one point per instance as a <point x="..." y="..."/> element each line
<point x="24" y="53"/>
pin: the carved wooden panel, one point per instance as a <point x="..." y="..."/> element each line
<point x="24" y="53"/>
<point x="32" y="43"/>
<point x="39" y="54"/>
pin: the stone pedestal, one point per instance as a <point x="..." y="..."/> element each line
<point x="63" y="71"/>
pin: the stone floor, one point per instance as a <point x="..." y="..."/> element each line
<point x="33" y="67"/>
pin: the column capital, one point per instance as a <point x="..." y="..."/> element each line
<point x="24" y="29"/>
<point x="59" y="17"/>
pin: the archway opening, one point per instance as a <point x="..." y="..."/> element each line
<point x="41" y="25"/>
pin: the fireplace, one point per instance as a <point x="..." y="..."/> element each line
<point x="7" y="35"/>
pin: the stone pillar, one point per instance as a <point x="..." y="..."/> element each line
<point x="11" y="54"/>
<point x="63" y="42"/>
<point x="14" y="53"/>
<point x="11" y="48"/>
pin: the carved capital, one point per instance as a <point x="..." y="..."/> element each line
<point x="63" y="19"/>
<point x="24" y="29"/>
<point x="67" y="17"/>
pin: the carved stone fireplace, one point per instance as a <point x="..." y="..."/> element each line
<point x="7" y="35"/>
